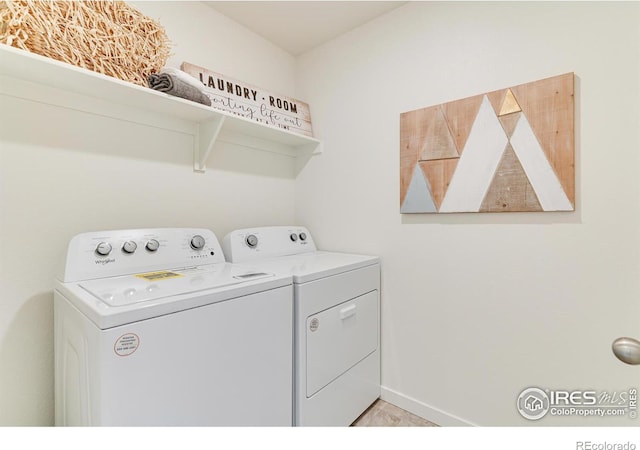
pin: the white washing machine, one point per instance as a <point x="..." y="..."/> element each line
<point x="154" y="328"/>
<point x="337" y="320"/>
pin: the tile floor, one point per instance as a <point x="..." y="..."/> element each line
<point x="383" y="414"/>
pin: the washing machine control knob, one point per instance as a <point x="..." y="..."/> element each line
<point x="293" y="237"/>
<point x="252" y="240"/>
<point x="152" y="245"/>
<point x="103" y="248"/>
<point x="303" y="236"/>
<point x="197" y="242"/>
<point x="129" y="247"/>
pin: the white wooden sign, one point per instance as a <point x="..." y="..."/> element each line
<point x="252" y="102"/>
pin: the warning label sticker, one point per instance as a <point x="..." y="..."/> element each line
<point x="155" y="276"/>
<point x="126" y="344"/>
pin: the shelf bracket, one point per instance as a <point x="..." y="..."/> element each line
<point x="206" y="135"/>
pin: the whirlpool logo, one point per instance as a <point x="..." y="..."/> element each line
<point x="104" y="262"/>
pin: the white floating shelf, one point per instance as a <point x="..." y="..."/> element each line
<point x="45" y="80"/>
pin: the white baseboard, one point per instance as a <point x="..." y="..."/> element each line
<point x="423" y="410"/>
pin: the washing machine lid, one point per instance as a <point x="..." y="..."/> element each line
<point x="316" y="265"/>
<point x="114" y="301"/>
<point x="131" y="289"/>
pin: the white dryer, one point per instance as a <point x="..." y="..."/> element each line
<point x="337" y="320"/>
<point x="154" y="328"/>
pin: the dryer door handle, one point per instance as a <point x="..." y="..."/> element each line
<point x="347" y="311"/>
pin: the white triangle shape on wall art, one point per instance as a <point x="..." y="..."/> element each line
<point x="418" y="198"/>
<point x="478" y="162"/>
<point x="541" y="175"/>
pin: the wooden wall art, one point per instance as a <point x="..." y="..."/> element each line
<point x="507" y="150"/>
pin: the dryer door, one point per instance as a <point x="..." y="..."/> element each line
<point x="340" y="337"/>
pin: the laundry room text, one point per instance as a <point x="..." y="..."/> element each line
<point x="244" y="100"/>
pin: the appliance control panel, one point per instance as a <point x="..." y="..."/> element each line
<point x="104" y="254"/>
<point x="251" y="244"/>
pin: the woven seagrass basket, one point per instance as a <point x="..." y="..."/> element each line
<point x="109" y="37"/>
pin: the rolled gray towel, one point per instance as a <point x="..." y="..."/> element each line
<point x="172" y="85"/>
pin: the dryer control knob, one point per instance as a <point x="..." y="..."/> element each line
<point x="303" y="236"/>
<point x="152" y="245"/>
<point x="252" y="240"/>
<point x="129" y="247"/>
<point x="293" y="237"/>
<point x="197" y="242"/>
<point x="103" y="248"/>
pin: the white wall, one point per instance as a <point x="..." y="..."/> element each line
<point x="477" y="307"/>
<point x="63" y="172"/>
